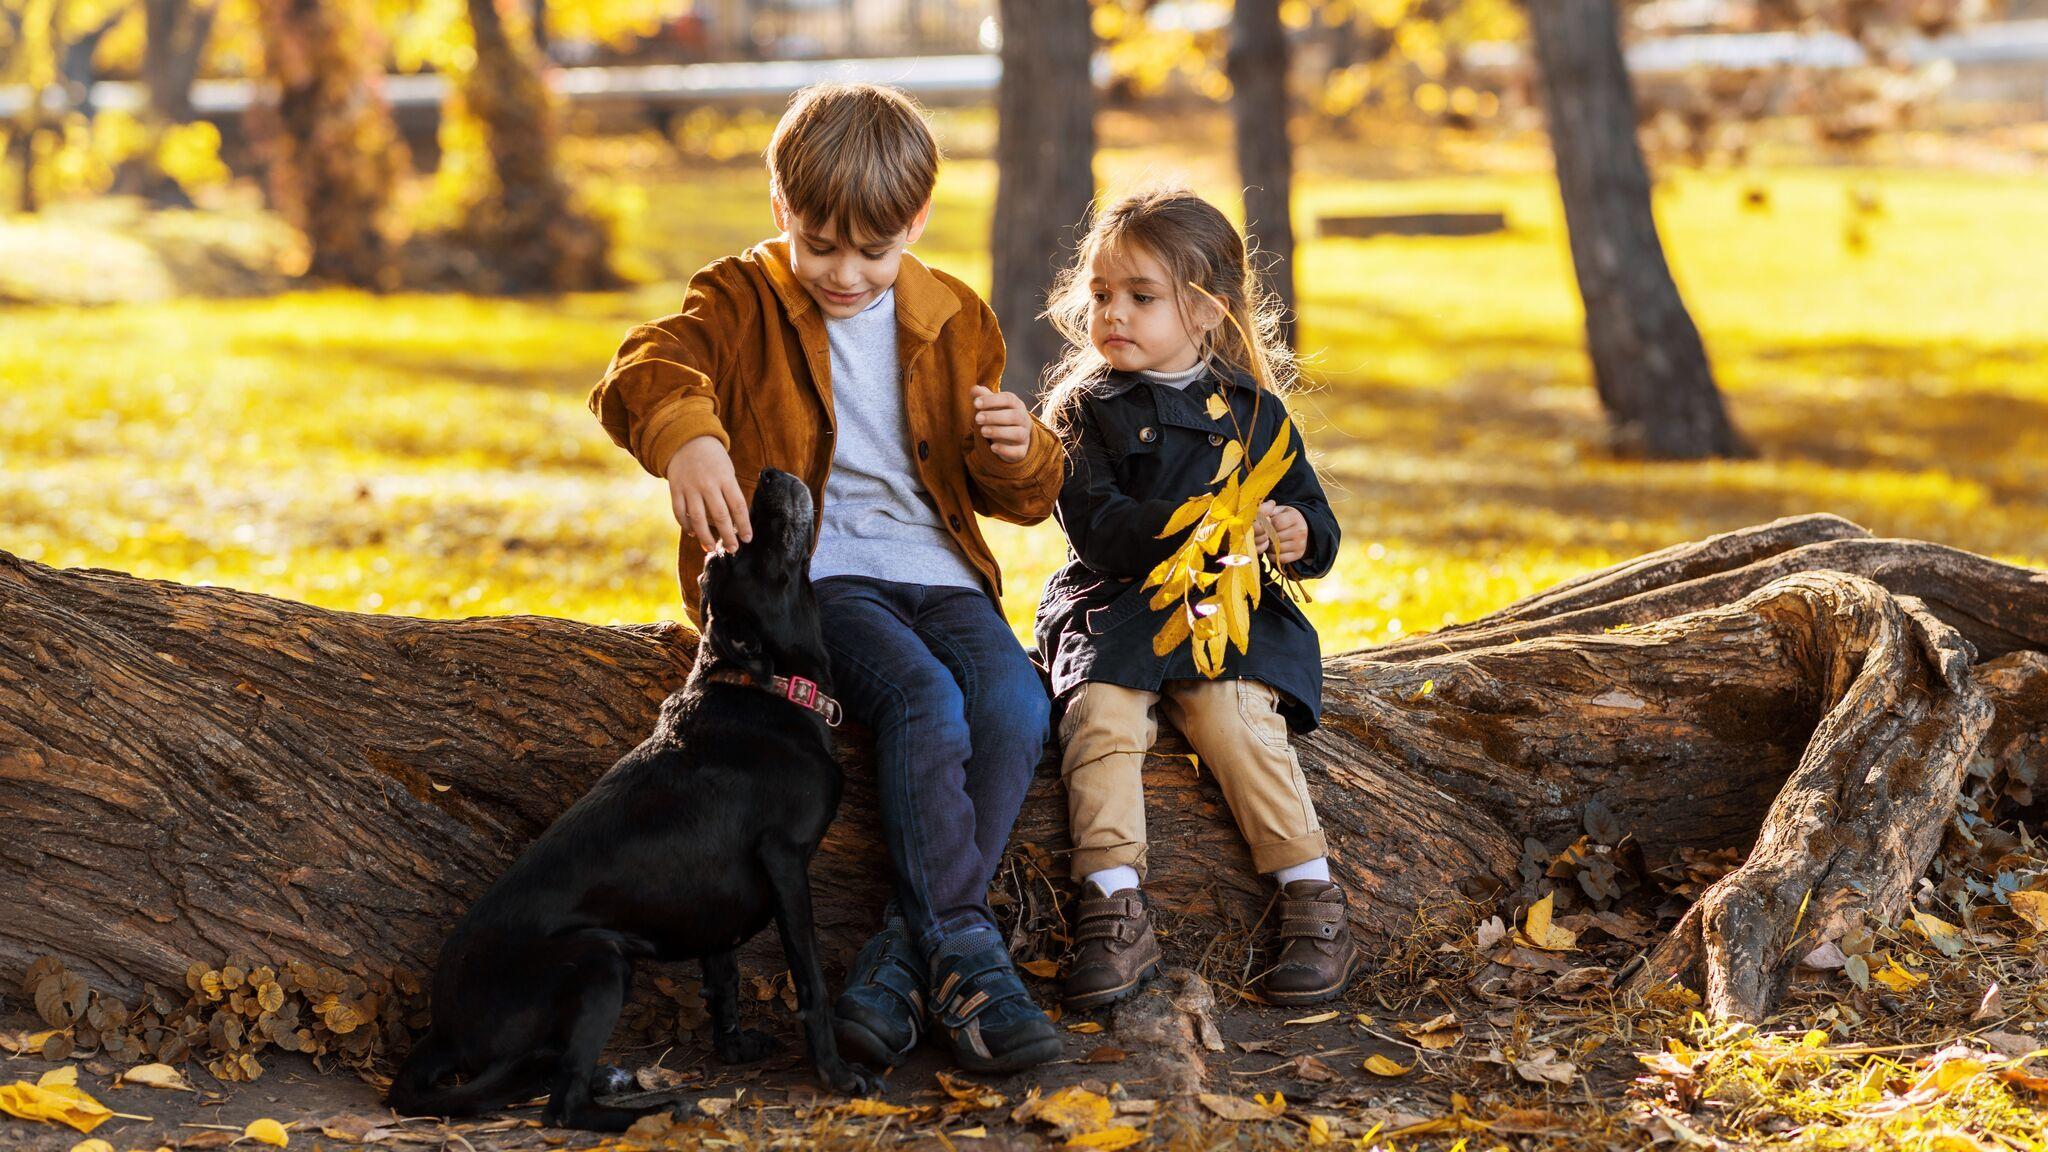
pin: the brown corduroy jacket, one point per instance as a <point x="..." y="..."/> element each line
<point x="746" y="360"/>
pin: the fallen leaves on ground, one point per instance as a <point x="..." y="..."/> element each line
<point x="267" y="1131"/>
<point x="54" y="1098"/>
<point x="1239" y="1108"/>
<point x="1382" y="1066"/>
<point x="155" y="1076"/>
<point x="1068" y="1111"/>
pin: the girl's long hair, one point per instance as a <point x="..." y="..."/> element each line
<point x="1203" y="253"/>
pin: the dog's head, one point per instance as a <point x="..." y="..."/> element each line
<point x="758" y="610"/>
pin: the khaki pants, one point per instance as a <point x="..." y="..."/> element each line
<point x="1235" y="727"/>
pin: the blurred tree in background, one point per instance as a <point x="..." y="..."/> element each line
<point x="335" y="156"/>
<point x="1045" y="174"/>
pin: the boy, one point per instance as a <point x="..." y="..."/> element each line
<point x="832" y="354"/>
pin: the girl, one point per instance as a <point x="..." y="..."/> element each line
<point x="1132" y="400"/>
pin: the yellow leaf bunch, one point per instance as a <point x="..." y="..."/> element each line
<point x="1214" y="573"/>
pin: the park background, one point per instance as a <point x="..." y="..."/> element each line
<point x="334" y="346"/>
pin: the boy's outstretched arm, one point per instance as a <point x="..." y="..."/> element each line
<point x="1014" y="465"/>
<point x="658" y="397"/>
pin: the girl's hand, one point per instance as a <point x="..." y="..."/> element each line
<point x="706" y="497"/>
<point x="1004" y="422"/>
<point x="1283" y="530"/>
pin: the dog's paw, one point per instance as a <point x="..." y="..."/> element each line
<point x="850" y="1079"/>
<point x="746" y="1046"/>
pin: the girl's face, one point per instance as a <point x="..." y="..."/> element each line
<point x="1136" y="320"/>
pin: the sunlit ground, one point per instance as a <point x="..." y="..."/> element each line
<point x="432" y="454"/>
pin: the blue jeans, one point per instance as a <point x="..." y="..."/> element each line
<point x="960" y="720"/>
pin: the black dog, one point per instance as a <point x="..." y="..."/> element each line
<point x="685" y="848"/>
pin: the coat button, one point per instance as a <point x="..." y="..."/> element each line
<point x="954" y="521"/>
<point x="1216" y="439"/>
<point x="924" y="450"/>
<point x="1147" y="434"/>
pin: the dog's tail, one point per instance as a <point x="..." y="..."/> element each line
<point x="415" y="1091"/>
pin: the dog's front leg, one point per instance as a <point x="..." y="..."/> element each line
<point x="788" y="874"/>
<point x="733" y="1044"/>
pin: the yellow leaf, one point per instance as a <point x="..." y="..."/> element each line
<point x="1171" y="634"/>
<point x="1381" y="1066"/>
<point x="1318" y="1131"/>
<point x="862" y="1106"/>
<point x="1085" y="1027"/>
<point x="1542" y="933"/>
<point x="1043" y="969"/>
<point x="1217" y="408"/>
<point x="93" y="1145"/>
<point x="1318" y="1018"/>
<point x="1233" y="455"/>
<point x="1189" y="512"/>
<point x="978" y="1132"/>
<point x="266" y="1131"/>
<point x="1365" y="1019"/>
<point x="1270" y="468"/>
<point x="1274" y="1106"/>
<point x="1946" y="937"/>
<point x="2031" y="907"/>
<point x="156" y="1076"/>
<point x="1107" y="1139"/>
<point x="1943" y="1077"/>
<point x="1234" y="1107"/>
<point x="1817" y="1038"/>
<point x="1898" y="979"/>
<point x="1068" y="1110"/>
<point x="54" y="1099"/>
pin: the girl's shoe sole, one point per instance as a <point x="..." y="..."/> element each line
<point x="1320" y="995"/>
<point x="1111" y="995"/>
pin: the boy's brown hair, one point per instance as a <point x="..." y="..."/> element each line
<point x="860" y="157"/>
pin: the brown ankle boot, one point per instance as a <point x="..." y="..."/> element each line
<point x="1316" y="957"/>
<point x="1114" y="949"/>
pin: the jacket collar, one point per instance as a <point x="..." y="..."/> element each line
<point x="1116" y="383"/>
<point x="923" y="303"/>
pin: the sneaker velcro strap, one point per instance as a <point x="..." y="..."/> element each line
<point x="1107" y="928"/>
<point x="968" y="984"/>
<point x="1332" y="910"/>
<point x="1318" y="928"/>
<point x="1112" y="906"/>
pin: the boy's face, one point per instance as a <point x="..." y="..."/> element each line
<point x="1136" y="320"/>
<point x="844" y="276"/>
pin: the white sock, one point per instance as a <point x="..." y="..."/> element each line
<point x="1114" y="880"/>
<point x="1316" y="869"/>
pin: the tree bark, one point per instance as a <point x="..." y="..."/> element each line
<point x="1257" y="67"/>
<point x="525" y="225"/>
<point x="174" y="37"/>
<point x="337" y="154"/>
<point x="1649" y="366"/>
<point x="1045" y="173"/>
<point x="189" y="773"/>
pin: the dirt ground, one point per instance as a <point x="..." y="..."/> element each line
<point x="1148" y="1056"/>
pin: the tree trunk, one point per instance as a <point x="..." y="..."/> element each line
<point x="1045" y="173"/>
<point x="1257" y="66"/>
<point x="191" y="773"/>
<point x="174" y="37"/>
<point x="1648" y="363"/>
<point x="525" y="225"/>
<point x="337" y="155"/>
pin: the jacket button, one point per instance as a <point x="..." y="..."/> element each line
<point x="1216" y="439"/>
<point x="954" y="521"/>
<point x="924" y="450"/>
<point x="1147" y="434"/>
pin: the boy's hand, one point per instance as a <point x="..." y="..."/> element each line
<point x="705" y="496"/>
<point x="1282" y="529"/>
<point x="1004" y="422"/>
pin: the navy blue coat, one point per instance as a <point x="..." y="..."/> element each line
<point x="1136" y="451"/>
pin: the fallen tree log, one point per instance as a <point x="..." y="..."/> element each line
<point x="188" y="773"/>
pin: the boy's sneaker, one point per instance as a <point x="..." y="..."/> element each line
<point x="1316" y="956"/>
<point x="980" y="1008"/>
<point x="1114" y="949"/>
<point x="875" y="1019"/>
